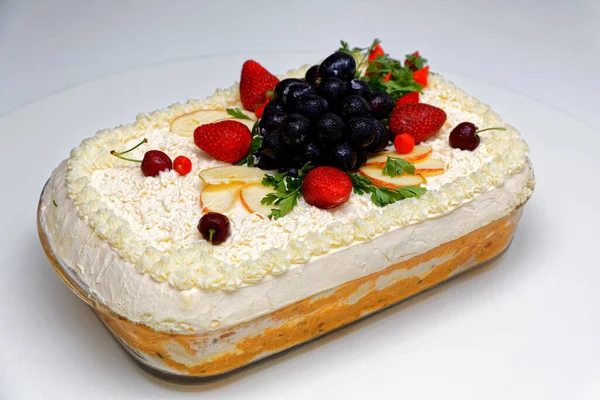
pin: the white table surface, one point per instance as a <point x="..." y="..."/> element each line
<point x="527" y="327"/>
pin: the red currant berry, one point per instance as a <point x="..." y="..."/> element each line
<point x="404" y="143"/>
<point x="182" y="165"/>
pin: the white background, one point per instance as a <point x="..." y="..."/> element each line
<point x="526" y="327"/>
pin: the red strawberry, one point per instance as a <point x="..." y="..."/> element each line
<point x="227" y="141"/>
<point x="260" y="109"/>
<point x="420" y="120"/>
<point x="377" y="51"/>
<point x="387" y="77"/>
<point x="326" y="187"/>
<point x="254" y="84"/>
<point x="408" y="98"/>
<point x="420" y="75"/>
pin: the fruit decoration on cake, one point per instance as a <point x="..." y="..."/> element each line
<point x="353" y="121"/>
<point x="156" y="161"/>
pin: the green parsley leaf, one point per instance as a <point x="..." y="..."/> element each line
<point x="382" y="196"/>
<point x="397" y="166"/>
<point x="237" y="113"/>
<point x="401" y="79"/>
<point x="287" y="191"/>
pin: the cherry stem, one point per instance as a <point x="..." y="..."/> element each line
<point x="134" y="147"/>
<point x="120" y="155"/>
<point x="211" y="232"/>
<point x="489" y="129"/>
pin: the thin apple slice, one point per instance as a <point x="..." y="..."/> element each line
<point x="398" y="181"/>
<point x="419" y="153"/>
<point x="185" y="124"/>
<point x="232" y="173"/>
<point x="219" y="198"/>
<point x="251" y="196"/>
<point x="430" y="167"/>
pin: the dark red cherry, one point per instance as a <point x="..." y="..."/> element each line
<point x="464" y="136"/>
<point x="214" y="227"/>
<point x="155" y="161"/>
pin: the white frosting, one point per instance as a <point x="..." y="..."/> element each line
<point x="133" y="239"/>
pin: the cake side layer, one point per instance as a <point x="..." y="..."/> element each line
<point x="222" y="351"/>
<point x="163" y="307"/>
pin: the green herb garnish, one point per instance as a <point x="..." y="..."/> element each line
<point x="382" y="196"/>
<point x="237" y="113"/>
<point x="397" y="166"/>
<point x="287" y="191"/>
<point x="54" y="202"/>
<point x="385" y="73"/>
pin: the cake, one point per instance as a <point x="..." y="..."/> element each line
<point x="266" y="233"/>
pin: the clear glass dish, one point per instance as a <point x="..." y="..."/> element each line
<point x="205" y="356"/>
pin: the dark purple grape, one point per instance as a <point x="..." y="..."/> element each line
<point x="273" y="145"/>
<point x="381" y="138"/>
<point x="314" y="153"/>
<point x="294" y="92"/>
<point x="270" y="122"/>
<point x="265" y="162"/>
<point x="382" y="105"/>
<point x="340" y="65"/>
<point x="295" y="129"/>
<point x="359" y="88"/>
<point x="344" y="157"/>
<point x="360" y="132"/>
<point x="330" y="129"/>
<point x="332" y="89"/>
<point x="284" y="85"/>
<point x="311" y="106"/>
<point x="273" y="107"/>
<point x="361" y="157"/>
<point x="312" y="76"/>
<point x="353" y="106"/>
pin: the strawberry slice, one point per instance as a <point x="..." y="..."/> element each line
<point x="420" y="75"/>
<point x="408" y="98"/>
<point x="376" y="51"/>
<point x="255" y="82"/>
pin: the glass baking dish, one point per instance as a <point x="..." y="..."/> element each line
<point x="205" y="356"/>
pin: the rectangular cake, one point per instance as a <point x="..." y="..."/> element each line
<point x="293" y="206"/>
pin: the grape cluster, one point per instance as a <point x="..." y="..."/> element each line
<point x="328" y="118"/>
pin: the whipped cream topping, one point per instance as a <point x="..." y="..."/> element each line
<point x="151" y="221"/>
